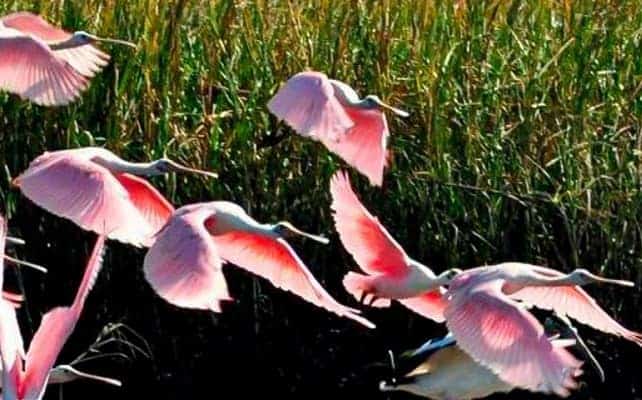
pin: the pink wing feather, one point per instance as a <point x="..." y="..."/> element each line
<point x="183" y="265"/>
<point x="430" y="305"/>
<point x="362" y="234"/>
<point x="86" y="60"/>
<point x="364" y="145"/>
<point x="499" y="334"/>
<point x="150" y="203"/>
<point x="274" y="260"/>
<point x="29" y="69"/>
<point x="11" y="351"/>
<point x="86" y="193"/>
<point x="55" y="328"/>
<point x="306" y="102"/>
<point x="574" y="302"/>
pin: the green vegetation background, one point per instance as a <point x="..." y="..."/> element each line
<point x="524" y="143"/>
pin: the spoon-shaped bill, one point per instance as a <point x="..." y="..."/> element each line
<point x="180" y="168"/>
<point x="26" y="264"/>
<point x="292" y="229"/>
<point x="115" y="41"/>
<point x="395" y="110"/>
<point x="598" y="279"/>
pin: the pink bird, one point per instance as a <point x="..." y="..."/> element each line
<point x="45" y="64"/>
<point x="331" y="112"/>
<point x="497" y="331"/>
<point x="184" y="265"/>
<point x="29" y="383"/>
<point x="391" y="274"/>
<point x="99" y="192"/>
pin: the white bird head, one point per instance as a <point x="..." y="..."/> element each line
<point x="372" y="101"/>
<point x="82" y="38"/>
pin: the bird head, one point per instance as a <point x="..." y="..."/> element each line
<point x="449" y="274"/>
<point x="372" y="101"/>
<point x="82" y="38"/>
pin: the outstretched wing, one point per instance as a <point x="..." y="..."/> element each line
<point x="372" y="247"/>
<point x="307" y="103"/>
<point x="55" y="328"/>
<point x="86" y="60"/>
<point x="29" y="69"/>
<point x="574" y="302"/>
<point x="364" y="145"/>
<point x="87" y="194"/>
<point x="183" y="265"/>
<point x="274" y="260"/>
<point x="502" y="336"/>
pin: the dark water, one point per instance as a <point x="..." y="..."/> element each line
<point x="267" y="341"/>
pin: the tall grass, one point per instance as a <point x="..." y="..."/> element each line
<point x="524" y="141"/>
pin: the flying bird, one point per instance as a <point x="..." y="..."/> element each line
<point x="390" y="273"/>
<point x="100" y="192"/>
<point x="28" y="382"/>
<point x="46" y="64"/>
<point x="184" y="265"/>
<point x="486" y="313"/>
<point x="331" y="112"/>
<point x="441" y="370"/>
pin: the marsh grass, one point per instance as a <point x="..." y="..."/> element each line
<point x="523" y="143"/>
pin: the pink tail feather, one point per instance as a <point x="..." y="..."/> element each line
<point x="357" y="284"/>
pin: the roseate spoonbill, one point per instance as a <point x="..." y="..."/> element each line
<point x="331" y="112"/>
<point x="441" y="370"/>
<point x="46" y="64"/>
<point x="496" y="330"/>
<point x="184" y="265"/>
<point x="391" y="274"/>
<point x="55" y="328"/>
<point x="99" y="191"/>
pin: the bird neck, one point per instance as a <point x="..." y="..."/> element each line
<point x="121" y="166"/>
<point x="70" y="43"/>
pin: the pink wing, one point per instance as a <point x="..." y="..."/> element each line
<point x="55" y="328"/>
<point x="29" y="69"/>
<point x="86" y="60"/>
<point x="499" y="334"/>
<point x="576" y="303"/>
<point x="364" y="146"/>
<point x="430" y="305"/>
<point x="274" y="260"/>
<point x="363" y="236"/>
<point x="306" y="102"/>
<point x="183" y="265"/>
<point x="149" y="202"/>
<point x="11" y="351"/>
<point x="87" y="194"/>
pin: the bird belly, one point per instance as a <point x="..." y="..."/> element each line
<point x="393" y="287"/>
